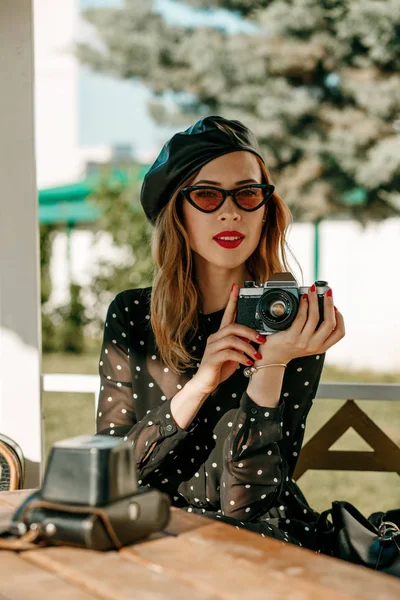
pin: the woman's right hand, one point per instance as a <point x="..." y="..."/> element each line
<point x="226" y="348"/>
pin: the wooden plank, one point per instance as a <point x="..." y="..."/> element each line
<point x="5" y="516"/>
<point x="387" y="452"/>
<point x="110" y="577"/>
<point x="358" y="391"/>
<point x="238" y="563"/>
<point x="14" y="498"/>
<point x="346" y="460"/>
<point x="182" y="522"/>
<point x="8" y="503"/>
<point x="339" y="575"/>
<point x="213" y="568"/>
<point x="21" y="580"/>
<point x="316" y="453"/>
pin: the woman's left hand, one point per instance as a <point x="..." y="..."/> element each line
<point x="301" y="338"/>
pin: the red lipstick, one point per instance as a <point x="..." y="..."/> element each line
<point x="229" y="243"/>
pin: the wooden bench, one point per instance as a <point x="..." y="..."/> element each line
<point x="194" y="558"/>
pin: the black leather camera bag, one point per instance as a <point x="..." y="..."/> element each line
<point x="38" y="522"/>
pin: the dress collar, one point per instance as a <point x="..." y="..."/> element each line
<point x="216" y="313"/>
<point x="210" y="322"/>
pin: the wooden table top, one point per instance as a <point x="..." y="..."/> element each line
<point x="199" y="559"/>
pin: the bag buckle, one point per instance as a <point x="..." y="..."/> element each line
<point x="387" y="531"/>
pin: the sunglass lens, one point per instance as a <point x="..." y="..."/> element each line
<point x="206" y="199"/>
<point x="249" y="197"/>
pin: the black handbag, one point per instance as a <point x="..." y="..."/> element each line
<point x="372" y="542"/>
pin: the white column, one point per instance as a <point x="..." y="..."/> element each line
<point x="56" y="92"/>
<point x="20" y="339"/>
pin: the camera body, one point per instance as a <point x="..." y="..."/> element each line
<point x="273" y="306"/>
<point x="90" y="497"/>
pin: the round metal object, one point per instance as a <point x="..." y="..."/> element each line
<point x="50" y="529"/>
<point x="388" y="530"/>
<point x="21" y="528"/>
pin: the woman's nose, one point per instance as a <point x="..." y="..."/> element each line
<point x="230" y="213"/>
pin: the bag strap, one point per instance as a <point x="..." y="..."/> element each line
<point x="323" y="523"/>
<point x="25" y="542"/>
<point x="326" y="532"/>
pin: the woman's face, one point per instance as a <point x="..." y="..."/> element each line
<point x="227" y="171"/>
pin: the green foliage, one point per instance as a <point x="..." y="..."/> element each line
<point x="125" y="224"/>
<point x="62" y="327"/>
<point x="49" y="333"/>
<point x="46" y="236"/>
<point x="72" y="320"/>
<point x="318" y="81"/>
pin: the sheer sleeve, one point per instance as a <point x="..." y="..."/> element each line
<point x="254" y="472"/>
<point x="299" y="391"/>
<point x="261" y="452"/>
<point x="156" y="434"/>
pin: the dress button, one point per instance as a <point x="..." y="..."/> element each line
<point x="169" y="427"/>
<point x="254" y="411"/>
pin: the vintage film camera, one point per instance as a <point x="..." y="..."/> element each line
<point x="90" y="497"/>
<point x="273" y="306"/>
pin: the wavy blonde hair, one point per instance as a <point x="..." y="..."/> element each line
<point x="175" y="294"/>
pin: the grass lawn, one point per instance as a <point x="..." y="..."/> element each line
<point x="68" y="415"/>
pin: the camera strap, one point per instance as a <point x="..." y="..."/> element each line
<point x="25" y="542"/>
<point x="30" y="539"/>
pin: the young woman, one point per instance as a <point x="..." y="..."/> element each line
<point x="172" y="362"/>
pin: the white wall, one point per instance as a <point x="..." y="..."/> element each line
<point x="360" y="267"/>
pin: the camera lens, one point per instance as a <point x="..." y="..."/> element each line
<point x="277" y="309"/>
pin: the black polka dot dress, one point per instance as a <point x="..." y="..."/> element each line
<point x="235" y="461"/>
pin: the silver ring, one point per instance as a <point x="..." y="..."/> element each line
<point x="388" y="530"/>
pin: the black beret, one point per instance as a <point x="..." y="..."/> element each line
<point x="185" y="153"/>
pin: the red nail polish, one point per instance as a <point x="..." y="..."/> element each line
<point x="313" y="288"/>
<point x="261" y="338"/>
<point x="335" y="308"/>
<point x="258" y="356"/>
<point x="250" y="362"/>
<point x="305" y="296"/>
<point x="329" y="293"/>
